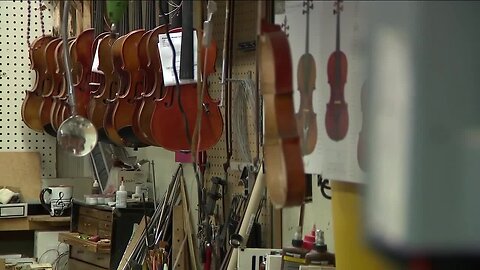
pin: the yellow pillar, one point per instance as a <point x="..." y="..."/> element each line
<point x="350" y="250"/>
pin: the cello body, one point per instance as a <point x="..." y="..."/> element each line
<point x="168" y="124"/>
<point x="33" y="99"/>
<point x="336" y="117"/>
<point x="283" y="158"/>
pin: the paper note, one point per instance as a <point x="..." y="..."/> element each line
<point x="166" y="56"/>
<point x="96" y="60"/>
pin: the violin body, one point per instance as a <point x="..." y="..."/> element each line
<point x="63" y="106"/>
<point x="146" y="95"/>
<point x="119" y="81"/>
<point x="33" y="99"/>
<point x="167" y="123"/>
<point x="306" y="117"/>
<point x="336" y="117"/>
<point x="145" y="107"/>
<point x="56" y="83"/>
<point x="123" y="107"/>
<point x="283" y="158"/>
<point x="59" y="98"/>
<point x="83" y="50"/>
<point x="107" y="89"/>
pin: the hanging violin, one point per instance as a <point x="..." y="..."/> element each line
<point x="117" y="13"/>
<point x="284" y="172"/>
<point x="102" y="75"/>
<point x="33" y="98"/>
<point x="153" y="80"/>
<point x="126" y="64"/>
<point x="306" y="76"/>
<point x="175" y="114"/>
<point x="336" y="117"/>
<point x="56" y="83"/>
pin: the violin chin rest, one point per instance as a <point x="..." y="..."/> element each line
<point x="128" y="135"/>
<point x="336" y="121"/>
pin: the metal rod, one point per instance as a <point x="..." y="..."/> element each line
<point x="154" y="179"/>
<point x="66" y="58"/>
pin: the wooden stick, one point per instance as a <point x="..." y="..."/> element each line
<point x="188" y="224"/>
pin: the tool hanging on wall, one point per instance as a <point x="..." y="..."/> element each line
<point x="76" y="135"/>
<point x="225" y="99"/>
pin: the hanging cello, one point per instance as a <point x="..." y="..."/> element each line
<point x="306" y="76"/>
<point x="336" y="117"/>
<point x="175" y="114"/>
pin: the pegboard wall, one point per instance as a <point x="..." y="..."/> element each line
<point x="243" y="67"/>
<point x="16" y="77"/>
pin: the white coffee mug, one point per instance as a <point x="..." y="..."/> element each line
<point x="59" y="200"/>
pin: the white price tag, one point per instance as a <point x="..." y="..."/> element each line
<point x="96" y="61"/>
<point x="166" y="56"/>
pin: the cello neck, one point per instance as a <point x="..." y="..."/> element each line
<point x="307" y="6"/>
<point x="338" y="11"/>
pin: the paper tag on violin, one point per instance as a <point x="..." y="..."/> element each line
<point x="166" y="55"/>
<point x="96" y="61"/>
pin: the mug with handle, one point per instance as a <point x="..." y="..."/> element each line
<point x="59" y="200"/>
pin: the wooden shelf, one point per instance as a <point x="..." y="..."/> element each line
<point x="37" y="222"/>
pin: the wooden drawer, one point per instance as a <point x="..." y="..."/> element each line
<point x="87" y="225"/>
<point x="79" y="265"/>
<point x="105" y="234"/>
<point x="98" y="259"/>
<point x="95" y="213"/>
<point x="74" y="240"/>
<point x="105" y="225"/>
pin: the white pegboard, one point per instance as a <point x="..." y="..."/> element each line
<point x="16" y="77"/>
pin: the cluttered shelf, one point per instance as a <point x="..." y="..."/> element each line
<point x="35" y="222"/>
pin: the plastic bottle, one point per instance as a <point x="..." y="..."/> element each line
<point x="294" y="256"/>
<point x="309" y="239"/>
<point x="319" y="254"/>
<point x="95" y="187"/>
<point x="121" y="197"/>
